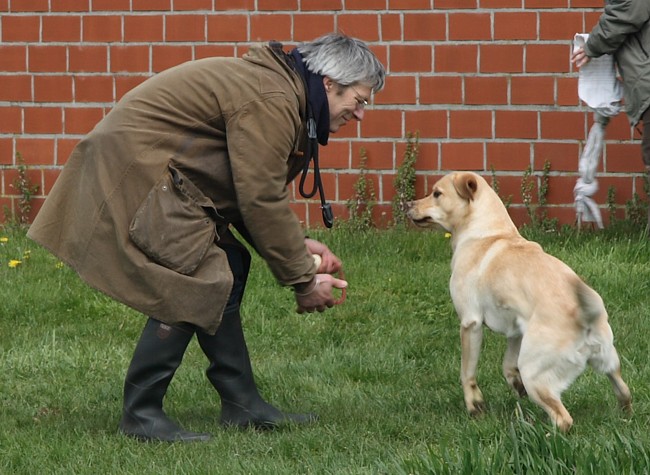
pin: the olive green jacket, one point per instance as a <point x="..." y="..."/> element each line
<point x="144" y="198"/>
<point x="624" y="31"/>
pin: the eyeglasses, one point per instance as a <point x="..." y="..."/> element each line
<point x="361" y="102"/>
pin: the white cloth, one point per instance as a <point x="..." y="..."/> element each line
<point x="598" y="85"/>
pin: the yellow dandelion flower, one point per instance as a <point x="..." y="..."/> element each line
<point x="4" y="240"/>
<point x="27" y="254"/>
<point x="447" y="235"/>
<point x="14" y="263"/>
<point x="59" y="265"/>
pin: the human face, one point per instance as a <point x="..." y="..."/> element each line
<point x="345" y="102"/>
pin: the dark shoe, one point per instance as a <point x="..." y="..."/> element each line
<point x="158" y="354"/>
<point x="231" y="375"/>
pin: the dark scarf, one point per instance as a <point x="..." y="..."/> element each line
<point x="316" y="97"/>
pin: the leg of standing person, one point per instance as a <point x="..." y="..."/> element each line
<point x="645" y="151"/>
<point x="230" y="370"/>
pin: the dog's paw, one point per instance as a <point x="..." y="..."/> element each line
<point x="477" y="409"/>
<point x="519" y="388"/>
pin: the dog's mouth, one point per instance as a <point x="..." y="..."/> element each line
<point x="426" y="221"/>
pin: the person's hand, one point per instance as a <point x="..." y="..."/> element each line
<point x="579" y="57"/>
<point x="330" y="264"/>
<point x="317" y="294"/>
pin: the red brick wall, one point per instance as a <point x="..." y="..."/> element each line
<point x="486" y="84"/>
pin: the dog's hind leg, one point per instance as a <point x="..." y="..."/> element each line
<point x="510" y="368"/>
<point x="471" y="336"/>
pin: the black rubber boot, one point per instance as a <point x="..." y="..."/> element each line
<point x="158" y="354"/>
<point x="231" y="375"/>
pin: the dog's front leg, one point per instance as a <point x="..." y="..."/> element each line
<point x="471" y="337"/>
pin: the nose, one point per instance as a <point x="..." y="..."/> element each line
<point x="359" y="113"/>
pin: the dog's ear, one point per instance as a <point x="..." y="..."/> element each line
<point x="466" y="185"/>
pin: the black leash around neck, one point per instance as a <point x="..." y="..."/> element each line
<point x="312" y="154"/>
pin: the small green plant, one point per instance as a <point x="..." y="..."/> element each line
<point x="362" y="203"/>
<point x="611" y="204"/>
<point x="26" y="191"/>
<point x="507" y="201"/>
<point x="537" y="213"/>
<point x="405" y="180"/>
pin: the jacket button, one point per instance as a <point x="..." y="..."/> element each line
<point x="164" y="187"/>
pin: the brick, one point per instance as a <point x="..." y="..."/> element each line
<point x="617" y="129"/>
<point x="13" y="58"/>
<point x="277" y="5"/>
<point x="560" y="189"/>
<point x="365" y="4"/>
<point x="561" y="125"/>
<point x="265" y="27"/>
<point x="223" y="27"/>
<point x="88" y="58"/>
<point x="469" y="26"/>
<point x="559" y="25"/>
<point x="391" y="27"/>
<point x="11" y="121"/>
<point x="36" y="151"/>
<point x="212" y="50"/>
<point x="15" y="88"/>
<point x="359" y="25"/>
<point x="143" y="28"/>
<point x="124" y="84"/>
<point x="167" y="56"/>
<point x="185" y="28"/>
<point x="547" y="58"/>
<point x="93" y="88"/>
<point x="398" y="90"/>
<point x="486" y="90"/>
<point x="535" y="4"/>
<point x="465" y="124"/>
<point x="20" y="28"/>
<point x="43" y="120"/>
<point x="515" y="124"/>
<point x="192" y="5"/>
<point x="427" y="158"/>
<point x="319" y="5"/>
<point x="64" y="147"/>
<point x="379" y="155"/>
<point x="61" y="28"/>
<point x="308" y="27"/>
<point x="508" y="156"/>
<point x="111" y="5"/>
<point x="50" y="176"/>
<point x="455" y="4"/>
<point x="382" y="123"/>
<point x="47" y="58"/>
<point x="562" y="155"/>
<point x="6" y="151"/>
<point x="146" y="5"/>
<point x="501" y="58"/>
<point x="52" y="88"/>
<point x="623" y="158"/>
<point x="455" y="58"/>
<point x="425" y="27"/>
<point x="496" y="4"/>
<point x="81" y="120"/>
<point x="410" y="58"/>
<point x="225" y="5"/>
<point x="102" y="28"/>
<point x="567" y="91"/>
<point x="518" y="26"/>
<point x="462" y="156"/>
<point x="410" y="5"/>
<point x="427" y="123"/>
<point x="69" y="6"/>
<point x="532" y="90"/>
<point x="130" y="58"/>
<point x="30" y="5"/>
<point x="441" y="90"/>
<point x="336" y="154"/>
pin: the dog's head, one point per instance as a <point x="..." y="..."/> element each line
<point x="448" y="204"/>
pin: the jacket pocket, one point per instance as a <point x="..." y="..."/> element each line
<point x="174" y="225"/>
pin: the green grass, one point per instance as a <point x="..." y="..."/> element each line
<point x="382" y="372"/>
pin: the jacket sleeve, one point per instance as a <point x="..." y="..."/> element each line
<point x="261" y="137"/>
<point x="620" y="19"/>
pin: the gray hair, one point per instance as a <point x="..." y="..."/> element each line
<point x="346" y="60"/>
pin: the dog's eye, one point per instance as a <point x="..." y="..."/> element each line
<point x="436" y="194"/>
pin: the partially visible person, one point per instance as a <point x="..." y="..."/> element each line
<point x="144" y="207"/>
<point x="623" y="31"/>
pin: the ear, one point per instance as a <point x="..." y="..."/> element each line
<point x="466" y="185"/>
<point x="328" y="83"/>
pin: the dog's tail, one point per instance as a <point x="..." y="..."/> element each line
<point x="591" y="304"/>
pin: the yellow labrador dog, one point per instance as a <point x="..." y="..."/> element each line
<point x="555" y="324"/>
